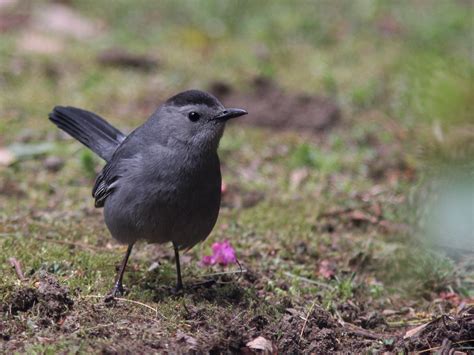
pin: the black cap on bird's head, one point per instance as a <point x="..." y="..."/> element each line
<point x="196" y="117"/>
<point x="194" y="97"/>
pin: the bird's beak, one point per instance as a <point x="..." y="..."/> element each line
<point x="229" y="113"/>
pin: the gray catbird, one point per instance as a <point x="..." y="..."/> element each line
<point x="162" y="182"/>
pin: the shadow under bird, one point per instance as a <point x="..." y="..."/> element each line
<point x="162" y="182"/>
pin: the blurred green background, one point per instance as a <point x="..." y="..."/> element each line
<point x="412" y="60"/>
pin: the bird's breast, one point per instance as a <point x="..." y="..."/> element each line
<point x="176" y="201"/>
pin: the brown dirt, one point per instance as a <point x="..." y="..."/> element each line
<point x="49" y="300"/>
<point x="443" y="334"/>
<point x="270" y="106"/>
<point x="21" y="300"/>
<point x="220" y="317"/>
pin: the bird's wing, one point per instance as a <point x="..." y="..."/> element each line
<point x="104" y="184"/>
<point x="107" y="180"/>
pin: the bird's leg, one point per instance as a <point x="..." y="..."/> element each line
<point x="179" y="281"/>
<point x="118" y="290"/>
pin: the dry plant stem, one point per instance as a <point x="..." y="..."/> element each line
<point x="143" y="305"/>
<point x="16" y="265"/>
<point x="243" y="271"/>
<point x="157" y="313"/>
<point x="355" y="330"/>
<point x="439" y="347"/>
<point x="306" y="319"/>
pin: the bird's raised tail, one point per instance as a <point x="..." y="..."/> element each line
<point x="89" y="129"/>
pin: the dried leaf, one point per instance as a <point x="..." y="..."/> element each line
<point x="260" y="343"/>
<point x="414" y="331"/>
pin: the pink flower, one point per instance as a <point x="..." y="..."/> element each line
<point x="222" y="253"/>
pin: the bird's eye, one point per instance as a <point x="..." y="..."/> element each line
<point x="194" y="116"/>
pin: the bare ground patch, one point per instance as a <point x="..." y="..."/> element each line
<point x="270" y="106"/>
<point x="222" y="316"/>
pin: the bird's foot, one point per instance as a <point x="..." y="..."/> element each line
<point x="116" y="291"/>
<point x="178" y="290"/>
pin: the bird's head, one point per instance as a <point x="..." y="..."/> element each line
<point x="195" y="118"/>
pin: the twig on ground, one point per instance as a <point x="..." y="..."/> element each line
<point x="16" y="265"/>
<point x="142" y="304"/>
<point x="307" y="318"/>
<point x="241" y="269"/>
<point x="439" y="347"/>
<point x="226" y="273"/>
<point x="240" y="272"/>
<point x="358" y="331"/>
<point x="157" y="313"/>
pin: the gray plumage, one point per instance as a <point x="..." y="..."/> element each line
<point x="162" y="182"/>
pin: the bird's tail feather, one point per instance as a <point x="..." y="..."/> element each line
<point x="89" y="129"/>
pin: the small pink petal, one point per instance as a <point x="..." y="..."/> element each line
<point x="222" y="253"/>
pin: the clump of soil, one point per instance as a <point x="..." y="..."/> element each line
<point x="50" y="300"/>
<point x="54" y="300"/>
<point x="443" y="334"/>
<point x="318" y="334"/>
<point x="230" y="293"/>
<point x="270" y="106"/>
<point x="360" y="316"/>
<point x="21" y="300"/>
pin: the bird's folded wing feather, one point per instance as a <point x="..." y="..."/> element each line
<point x="104" y="185"/>
<point x="107" y="180"/>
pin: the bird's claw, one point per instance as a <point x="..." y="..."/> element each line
<point x="178" y="290"/>
<point x="117" y="291"/>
